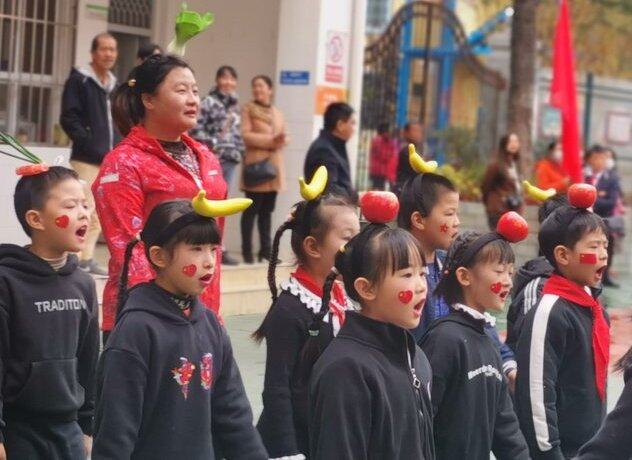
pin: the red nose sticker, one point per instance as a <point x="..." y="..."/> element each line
<point x="496" y="288"/>
<point x="444" y="228"/>
<point x="62" y="221"/>
<point x="405" y="296"/>
<point x="588" y="259"/>
<point x="189" y="270"/>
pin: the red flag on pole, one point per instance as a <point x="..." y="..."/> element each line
<point x="563" y="93"/>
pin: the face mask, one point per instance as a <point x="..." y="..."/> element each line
<point x="609" y="163"/>
<point x="557" y="155"/>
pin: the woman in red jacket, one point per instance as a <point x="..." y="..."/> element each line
<point x="549" y="172"/>
<point x="155" y="162"/>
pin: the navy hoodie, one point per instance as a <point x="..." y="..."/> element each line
<point x="369" y="395"/>
<point x="472" y="407"/>
<point x="49" y="340"/>
<point x="168" y="386"/>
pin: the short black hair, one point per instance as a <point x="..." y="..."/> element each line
<point x="565" y="227"/>
<point x="421" y="193"/>
<point x="550" y="205"/>
<point x="335" y="112"/>
<point x="267" y="80"/>
<point x="595" y="148"/>
<point x="31" y="192"/>
<point x="383" y="128"/>
<point x="449" y="287"/>
<point x="148" y="49"/>
<point x="226" y="69"/>
<point x="409" y="124"/>
<point x="95" y="41"/>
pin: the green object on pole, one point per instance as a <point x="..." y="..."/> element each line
<point x="188" y="25"/>
<point x="588" y="108"/>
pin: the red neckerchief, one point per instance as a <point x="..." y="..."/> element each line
<point x="558" y="285"/>
<point x="338" y="293"/>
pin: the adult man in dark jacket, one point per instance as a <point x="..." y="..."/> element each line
<point x="86" y="117"/>
<point x="330" y="149"/>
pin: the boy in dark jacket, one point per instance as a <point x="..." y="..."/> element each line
<point x="530" y="279"/>
<point x="563" y="350"/>
<point x="49" y="339"/>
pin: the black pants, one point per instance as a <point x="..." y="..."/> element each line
<point x="45" y="441"/>
<point x="378" y="182"/>
<point x="262" y="206"/>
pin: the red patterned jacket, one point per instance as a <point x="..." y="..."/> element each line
<point x="134" y="177"/>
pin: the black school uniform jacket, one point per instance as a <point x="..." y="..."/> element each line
<point x="472" y="408"/>
<point x="49" y="340"/>
<point x="613" y="440"/>
<point x="370" y="395"/>
<point x="556" y="396"/>
<point x="169" y="388"/>
<point x="283" y="424"/>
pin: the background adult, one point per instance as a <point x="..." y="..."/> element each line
<point x="145" y="50"/>
<point x="86" y="118"/>
<point x="603" y="176"/>
<point x="157" y="161"/>
<point x="330" y="149"/>
<point x="263" y="130"/>
<point x="501" y="186"/>
<point x="382" y="158"/>
<point x="549" y="172"/>
<point x="219" y="127"/>
<point x="413" y="133"/>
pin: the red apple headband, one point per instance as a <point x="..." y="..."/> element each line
<point x="35" y="166"/>
<point x="511" y="227"/>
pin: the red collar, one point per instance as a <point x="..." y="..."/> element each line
<point x="337" y="291"/>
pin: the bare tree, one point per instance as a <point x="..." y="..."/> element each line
<point x="522" y="77"/>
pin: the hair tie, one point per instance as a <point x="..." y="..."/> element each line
<point x="335" y="271"/>
<point x="343" y="248"/>
<point x="131" y="82"/>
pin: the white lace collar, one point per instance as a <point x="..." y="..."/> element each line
<point x="489" y="319"/>
<point x="308" y="298"/>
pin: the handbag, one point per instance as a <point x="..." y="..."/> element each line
<point x="258" y="173"/>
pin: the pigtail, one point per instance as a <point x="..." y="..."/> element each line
<point x="274" y="254"/>
<point x="122" y="291"/>
<point x="259" y="334"/>
<point x="125" y="101"/>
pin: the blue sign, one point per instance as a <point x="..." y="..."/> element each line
<point x="294" y="77"/>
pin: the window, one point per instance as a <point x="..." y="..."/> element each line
<point x="36" y="54"/>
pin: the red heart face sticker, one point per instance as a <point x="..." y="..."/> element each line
<point x="190" y="270"/>
<point x="496" y="288"/>
<point x="405" y="296"/>
<point x="588" y="258"/>
<point x="62" y="221"/>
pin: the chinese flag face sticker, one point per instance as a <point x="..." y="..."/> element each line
<point x="588" y="258"/>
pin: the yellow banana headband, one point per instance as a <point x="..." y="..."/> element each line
<point x="419" y="165"/>
<point x="204" y="209"/>
<point x="537" y="194"/>
<point x="316" y="186"/>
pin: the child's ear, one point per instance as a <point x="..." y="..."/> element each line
<point x="310" y="246"/>
<point x="158" y="256"/>
<point x="364" y="288"/>
<point x="34" y="219"/>
<point x="463" y="276"/>
<point x="562" y="255"/>
<point x="417" y="221"/>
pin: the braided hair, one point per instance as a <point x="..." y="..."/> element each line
<point x="307" y="219"/>
<point x="203" y="230"/>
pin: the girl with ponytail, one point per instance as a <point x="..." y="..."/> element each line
<point x="168" y="385"/>
<point x="319" y="225"/>
<point x="369" y="390"/>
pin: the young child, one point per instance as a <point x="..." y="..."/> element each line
<point x="49" y="329"/>
<point x="563" y="349"/>
<point x="530" y="279"/>
<point x="369" y="390"/>
<point x="319" y="227"/>
<point x="613" y="440"/>
<point x="429" y="206"/>
<point x="168" y="386"/>
<point x="473" y="413"/>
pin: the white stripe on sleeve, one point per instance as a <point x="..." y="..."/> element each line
<point x="536" y="370"/>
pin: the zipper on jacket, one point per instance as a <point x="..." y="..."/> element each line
<point x="414" y="379"/>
